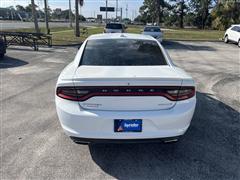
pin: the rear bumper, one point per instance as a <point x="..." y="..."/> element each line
<point x="121" y="141"/>
<point x="99" y="125"/>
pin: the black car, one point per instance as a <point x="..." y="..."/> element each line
<point x="2" y="48"/>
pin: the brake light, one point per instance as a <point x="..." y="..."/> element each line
<point x="183" y="93"/>
<point x="186" y="93"/>
<point x="173" y="93"/>
<point x="71" y="93"/>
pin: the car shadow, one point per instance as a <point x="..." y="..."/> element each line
<point x="9" y="62"/>
<point x="183" y="46"/>
<point x="209" y="149"/>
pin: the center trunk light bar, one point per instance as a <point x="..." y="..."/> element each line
<point x="80" y="93"/>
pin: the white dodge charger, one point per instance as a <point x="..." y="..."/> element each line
<point x="124" y="88"/>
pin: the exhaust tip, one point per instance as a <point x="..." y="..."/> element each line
<point x="171" y="141"/>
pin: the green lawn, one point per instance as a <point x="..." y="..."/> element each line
<point x="65" y="35"/>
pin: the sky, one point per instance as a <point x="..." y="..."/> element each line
<point x="90" y="7"/>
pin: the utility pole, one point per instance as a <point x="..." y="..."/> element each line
<point x="46" y="16"/>
<point x="35" y="17"/>
<point x="70" y="14"/>
<point x="106" y="11"/>
<point x="77" y="30"/>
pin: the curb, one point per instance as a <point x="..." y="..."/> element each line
<point x="193" y="40"/>
<point x="166" y="40"/>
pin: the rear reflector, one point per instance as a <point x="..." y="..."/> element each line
<point x="173" y="93"/>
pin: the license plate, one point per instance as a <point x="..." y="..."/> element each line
<point x="129" y="125"/>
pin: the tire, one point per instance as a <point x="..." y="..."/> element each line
<point x="226" y="39"/>
<point x="1" y="55"/>
<point x="239" y="43"/>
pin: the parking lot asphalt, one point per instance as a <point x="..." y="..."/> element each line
<point x="33" y="145"/>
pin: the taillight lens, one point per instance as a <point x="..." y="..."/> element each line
<point x="182" y="93"/>
<point x="173" y="93"/>
<point x="71" y="93"/>
<point x="186" y="93"/>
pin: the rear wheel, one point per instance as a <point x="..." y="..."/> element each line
<point x="1" y="55"/>
<point x="226" y="39"/>
<point x="239" y="43"/>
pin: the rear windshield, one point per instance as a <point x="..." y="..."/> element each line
<point x="122" y="52"/>
<point x="114" y="26"/>
<point x="152" y="29"/>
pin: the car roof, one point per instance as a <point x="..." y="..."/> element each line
<point x="152" y="26"/>
<point x="235" y="25"/>
<point x="114" y="23"/>
<point x="120" y="36"/>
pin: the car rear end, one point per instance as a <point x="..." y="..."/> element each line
<point x="154" y="31"/>
<point x="114" y="28"/>
<point x="114" y="97"/>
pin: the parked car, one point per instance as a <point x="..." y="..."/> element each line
<point x="115" y="28"/>
<point x="233" y="34"/>
<point x="154" y="31"/>
<point x="2" y="48"/>
<point x="124" y="88"/>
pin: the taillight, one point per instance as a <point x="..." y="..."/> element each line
<point x="186" y="93"/>
<point x="71" y="93"/>
<point x="173" y="93"/>
<point x="183" y="93"/>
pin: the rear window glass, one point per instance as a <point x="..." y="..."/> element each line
<point x="122" y="52"/>
<point x="114" y="26"/>
<point x="152" y="29"/>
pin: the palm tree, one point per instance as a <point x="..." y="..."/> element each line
<point x="70" y="14"/>
<point x="35" y="17"/>
<point x="77" y="28"/>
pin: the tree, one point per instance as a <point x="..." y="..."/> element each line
<point x="152" y="11"/>
<point x="28" y="8"/>
<point x="225" y="14"/>
<point x="201" y="9"/>
<point x="20" y="8"/>
<point x="35" y="17"/>
<point x="77" y="28"/>
<point x="179" y="9"/>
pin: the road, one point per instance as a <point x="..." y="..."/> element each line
<point x="4" y="25"/>
<point x="33" y="145"/>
